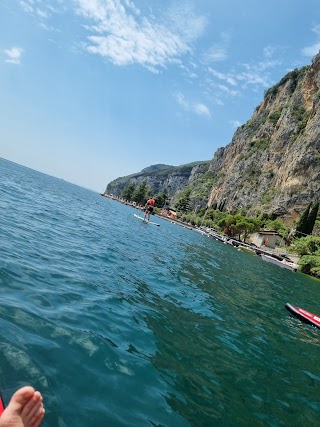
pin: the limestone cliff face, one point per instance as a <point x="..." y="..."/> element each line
<point x="272" y="164"/>
<point x="273" y="161"/>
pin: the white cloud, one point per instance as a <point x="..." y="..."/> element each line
<point x="316" y="29"/>
<point x="257" y="75"/>
<point x="268" y="51"/>
<point x="265" y="65"/>
<point x="26" y="6"/>
<point x="226" y="89"/>
<point x="41" y="9"/>
<point x="216" y="54"/>
<point x="42" y="14"/>
<point x="181" y="19"/>
<point x="228" y="78"/>
<point x="201" y="109"/>
<point x="253" y="78"/>
<point x="181" y="101"/>
<point x="235" y="123"/>
<point x="190" y="74"/>
<point x="242" y="77"/>
<point x="122" y="35"/>
<point x="311" y="50"/>
<point x="197" y="108"/>
<point x="13" y="55"/>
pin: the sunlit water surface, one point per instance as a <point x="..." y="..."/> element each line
<point x="120" y="323"/>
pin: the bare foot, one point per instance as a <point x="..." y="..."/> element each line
<point x="25" y="409"/>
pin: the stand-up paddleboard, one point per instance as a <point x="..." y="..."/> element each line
<point x="146" y="221"/>
<point x="304" y="315"/>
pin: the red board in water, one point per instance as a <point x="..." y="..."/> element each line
<point x="1" y="405"/>
<point x="304" y="315"/>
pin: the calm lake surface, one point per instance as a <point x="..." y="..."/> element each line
<point x="120" y="323"/>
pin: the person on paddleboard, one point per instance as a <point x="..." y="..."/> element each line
<point x="149" y="208"/>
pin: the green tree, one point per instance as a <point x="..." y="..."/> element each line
<point x="239" y="225"/>
<point x="278" y="226"/>
<point x="160" y="199"/>
<point x="247" y="226"/>
<point x="308" y="245"/>
<point x="312" y="218"/>
<point x="140" y="194"/>
<point x="302" y="225"/>
<point x="310" y="264"/>
<point x="226" y="221"/>
<point x="183" y="203"/>
<point x="128" y="192"/>
<point x="309" y="249"/>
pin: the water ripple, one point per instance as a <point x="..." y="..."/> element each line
<point x="121" y="323"/>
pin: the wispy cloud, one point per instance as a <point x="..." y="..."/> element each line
<point x="123" y="35"/>
<point x="41" y="13"/>
<point x="254" y="75"/>
<point x="219" y="51"/>
<point x="13" y="55"/>
<point x="227" y="77"/>
<point x="201" y="109"/>
<point x="48" y="28"/>
<point x="197" y="108"/>
<point x="26" y="6"/>
<point x="41" y="9"/>
<point x="235" y="123"/>
<point x="313" y="49"/>
<point x="316" y="29"/>
<point x="223" y="89"/>
<point x="216" y="54"/>
<point x="234" y="82"/>
<point x="268" y="51"/>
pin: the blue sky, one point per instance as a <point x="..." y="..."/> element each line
<point x="96" y="89"/>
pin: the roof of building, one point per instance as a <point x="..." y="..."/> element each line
<point x="269" y="232"/>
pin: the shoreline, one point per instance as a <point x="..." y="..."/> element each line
<point x="214" y="234"/>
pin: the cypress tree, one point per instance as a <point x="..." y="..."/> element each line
<point x="302" y="225"/>
<point x="312" y="217"/>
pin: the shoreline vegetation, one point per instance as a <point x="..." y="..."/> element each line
<point x="285" y="256"/>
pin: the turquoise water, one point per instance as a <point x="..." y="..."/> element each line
<point x="120" y="323"/>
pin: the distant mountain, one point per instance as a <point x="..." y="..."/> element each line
<point x="272" y="164"/>
<point x="155" y="168"/>
<point x="171" y="180"/>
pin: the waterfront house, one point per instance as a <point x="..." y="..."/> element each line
<point x="269" y="238"/>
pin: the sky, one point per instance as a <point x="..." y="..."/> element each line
<point x="91" y="90"/>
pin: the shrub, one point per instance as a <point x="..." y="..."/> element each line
<point x="260" y="144"/>
<point x="309" y="245"/>
<point x="274" y="117"/>
<point x="310" y="264"/>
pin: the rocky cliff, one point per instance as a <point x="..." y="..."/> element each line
<point x="273" y="161"/>
<point x="272" y="164"/>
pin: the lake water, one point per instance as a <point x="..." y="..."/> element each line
<point x="120" y="323"/>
